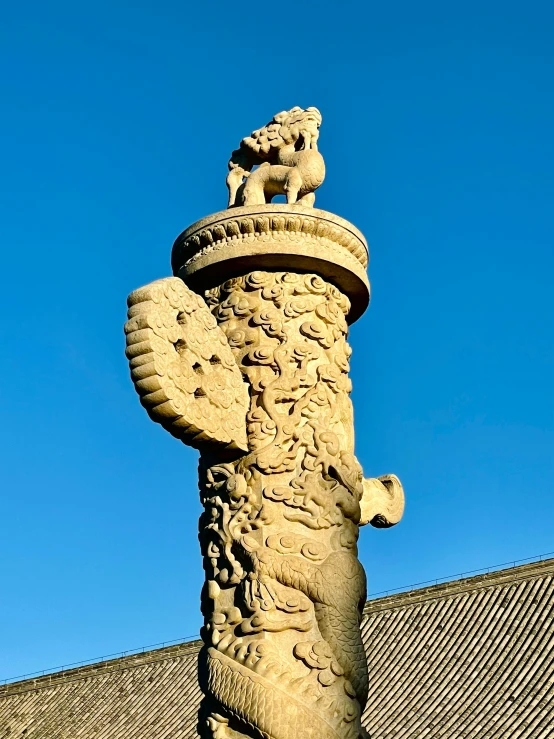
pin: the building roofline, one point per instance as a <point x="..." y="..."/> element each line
<point x="453" y="587"/>
<point x="99" y="668"/>
<point x="399" y="600"/>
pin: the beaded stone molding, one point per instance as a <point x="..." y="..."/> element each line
<point x="280" y="236"/>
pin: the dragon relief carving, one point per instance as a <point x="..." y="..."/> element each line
<point x="282" y="491"/>
<point x="253" y="372"/>
<point x="287" y="160"/>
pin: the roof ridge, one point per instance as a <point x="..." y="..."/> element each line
<point x="488" y="579"/>
<point x="398" y="600"/>
<point x="99" y="668"/>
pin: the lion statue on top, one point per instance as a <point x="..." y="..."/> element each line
<point x="289" y="162"/>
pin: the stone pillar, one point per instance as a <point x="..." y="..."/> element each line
<point x="243" y="354"/>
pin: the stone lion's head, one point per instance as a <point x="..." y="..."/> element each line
<point x="298" y="126"/>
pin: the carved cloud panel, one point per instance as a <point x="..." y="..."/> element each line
<point x="183" y="368"/>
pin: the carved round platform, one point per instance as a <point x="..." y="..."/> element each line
<point x="274" y="237"/>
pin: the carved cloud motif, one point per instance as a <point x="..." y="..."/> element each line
<point x="183" y="368"/>
<point x="382" y="503"/>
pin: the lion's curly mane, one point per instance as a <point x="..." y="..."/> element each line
<point x="263" y="144"/>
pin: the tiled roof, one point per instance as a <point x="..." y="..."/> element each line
<point x="470" y="659"/>
<point x="153" y="695"/>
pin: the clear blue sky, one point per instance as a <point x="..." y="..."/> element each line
<point x="117" y="122"/>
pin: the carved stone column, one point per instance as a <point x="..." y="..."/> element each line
<point x="244" y="355"/>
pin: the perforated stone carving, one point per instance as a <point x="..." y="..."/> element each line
<point x="282" y="490"/>
<point x="182" y="366"/>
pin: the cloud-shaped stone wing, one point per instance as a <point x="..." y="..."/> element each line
<point x="382" y="502"/>
<point x="183" y="368"/>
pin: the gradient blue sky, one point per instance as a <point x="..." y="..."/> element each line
<point x="118" y="119"/>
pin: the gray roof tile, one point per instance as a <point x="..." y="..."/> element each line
<point x="470" y="659"/>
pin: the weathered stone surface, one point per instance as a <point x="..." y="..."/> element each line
<point x="290" y="162"/>
<point x="283" y="657"/>
<point x="470" y="658"/>
<point x="382" y="502"/>
<point x="289" y="238"/>
<point x="183" y="368"/>
<point x="279" y="535"/>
